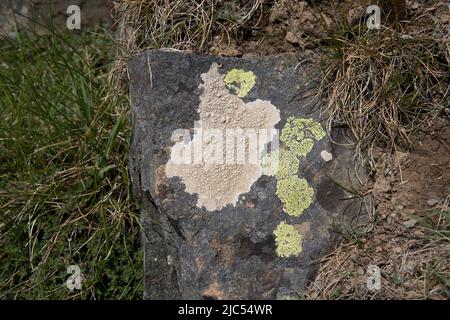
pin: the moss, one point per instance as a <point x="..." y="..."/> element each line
<point x="241" y="81"/>
<point x="281" y="164"/>
<point x="295" y="194"/>
<point x="299" y="134"/>
<point x="288" y="240"/>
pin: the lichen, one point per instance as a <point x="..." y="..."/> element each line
<point x="270" y="162"/>
<point x="288" y="240"/>
<point x="299" y="134"/>
<point x="206" y="171"/>
<point x="281" y="164"/>
<point x="295" y="194"/>
<point x="241" y="81"/>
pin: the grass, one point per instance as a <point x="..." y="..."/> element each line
<point x="179" y="24"/>
<point x="183" y="24"/>
<point x="65" y="195"/>
<point x="412" y="267"/>
<point x="384" y="84"/>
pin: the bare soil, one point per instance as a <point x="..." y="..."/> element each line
<point x="289" y="26"/>
<point x="407" y="241"/>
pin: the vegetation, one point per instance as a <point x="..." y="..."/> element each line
<point x="65" y="194"/>
<point x="64" y="189"/>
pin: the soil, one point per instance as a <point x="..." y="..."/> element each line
<point x="289" y="26"/>
<point x="413" y="182"/>
<point x="411" y="192"/>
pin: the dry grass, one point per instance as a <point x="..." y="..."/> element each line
<point x="414" y="263"/>
<point x="178" y="24"/>
<point x="181" y="24"/>
<point x="65" y="196"/>
<point x="383" y="84"/>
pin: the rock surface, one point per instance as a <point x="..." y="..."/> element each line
<point x="11" y="12"/>
<point x="253" y="249"/>
<point x="16" y="13"/>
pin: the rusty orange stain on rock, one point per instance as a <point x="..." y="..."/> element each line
<point x="305" y="229"/>
<point x="225" y="251"/>
<point x="214" y="291"/>
<point x="161" y="181"/>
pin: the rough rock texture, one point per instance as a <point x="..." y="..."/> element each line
<point x="11" y="12"/>
<point x="252" y="249"/>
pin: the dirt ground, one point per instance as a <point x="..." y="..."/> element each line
<point x="290" y="26"/>
<point x="409" y="238"/>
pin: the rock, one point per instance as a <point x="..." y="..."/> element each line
<point x="432" y="202"/>
<point x="409" y="223"/>
<point x="326" y="156"/>
<point x="14" y="13"/>
<point x="11" y="12"/>
<point x="414" y="6"/>
<point x="294" y="38"/>
<point x="249" y="232"/>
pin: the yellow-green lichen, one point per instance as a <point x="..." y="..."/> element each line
<point x="241" y="81"/>
<point x="299" y="134"/>
<point x="270" y="163"/>
<point x="281" y="164"/>
<point x="295" y="194"/>
<point x="288" y="240"/>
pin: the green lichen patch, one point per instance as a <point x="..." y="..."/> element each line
<point x="288" y="240"/>
<point x="299" y="134"/>
<point x="240" y="81"/>
<point x="270" y="163"/>
<point x="295" y="194"/>
<point x="280" y="163"/>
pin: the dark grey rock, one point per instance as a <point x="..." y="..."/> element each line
<point x="16" y="13"/>
<point x="191" y="253"/>
<point x="11" y="13"/>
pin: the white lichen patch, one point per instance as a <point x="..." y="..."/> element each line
<point x="326" y="156"/>
<point x="216" y="172"/>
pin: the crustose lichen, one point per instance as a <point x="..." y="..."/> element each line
<point x="288" y="240"/>
<point x="298" y="136"/>
<point x="241" y="81"/>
